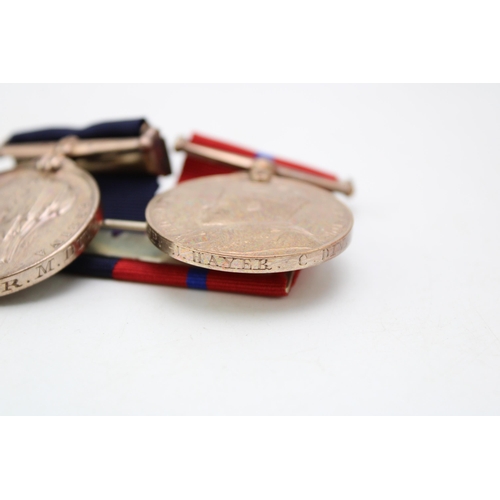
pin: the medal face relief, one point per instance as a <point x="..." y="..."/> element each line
<point x="232" y="223"/>
<point x="47" y="218"/>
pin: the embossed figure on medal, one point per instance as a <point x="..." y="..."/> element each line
<point x="269" y="219"/>
<point x="48" y="215"/>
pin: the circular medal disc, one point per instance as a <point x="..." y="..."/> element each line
<point x="232" y="223"/>
<point x="47" y="218"/>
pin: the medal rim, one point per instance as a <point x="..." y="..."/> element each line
<point x="255" y="264"/>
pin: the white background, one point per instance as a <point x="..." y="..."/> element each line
<point x="406" y="321"/>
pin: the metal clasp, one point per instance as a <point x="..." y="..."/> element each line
<point x="262" y="170"/>
<point x="146" y="153"/>
<point x="247" y="163"/>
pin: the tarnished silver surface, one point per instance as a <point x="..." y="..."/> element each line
<point x="231" y="223"/>
<point x="47" y="218"/>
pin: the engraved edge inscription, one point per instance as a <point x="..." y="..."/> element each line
<point x="253" y="265"/>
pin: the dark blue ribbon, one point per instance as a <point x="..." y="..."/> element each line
<point x="125" y="128"/>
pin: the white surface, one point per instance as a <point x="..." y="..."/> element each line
<point x="406" y="321"/>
